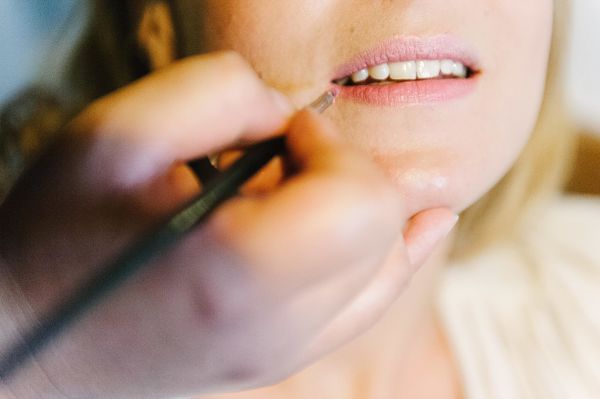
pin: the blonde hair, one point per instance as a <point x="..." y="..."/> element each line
<point x="540" y="172"/>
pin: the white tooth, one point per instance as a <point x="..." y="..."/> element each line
<point x="360" y="76"/>
<point x="403" y="70"/>
<point x="380" y="72"/>
<point x="428" y="69"/>
<point x="447" y="67"/>
<point x="459" y="70"/>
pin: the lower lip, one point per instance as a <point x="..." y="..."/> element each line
<point x="418" y="92"/>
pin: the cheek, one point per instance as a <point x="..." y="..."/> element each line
<point x="512" y="87"/>
<point x="276" y="37"/>
<point x="447" y="155"/>
<point x="452" y="154"/>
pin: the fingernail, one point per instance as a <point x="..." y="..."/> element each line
<point x="427" y="233"/>
<point x="281" y="101"/>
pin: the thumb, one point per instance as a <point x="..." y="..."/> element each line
<point x="190" y="109"/>
<point x="425" y="230"/>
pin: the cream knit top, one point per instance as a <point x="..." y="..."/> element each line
<point x="523" y="318"/>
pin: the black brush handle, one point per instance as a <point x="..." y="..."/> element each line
<point x="217" y="191"/>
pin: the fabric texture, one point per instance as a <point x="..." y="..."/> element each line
<point x="523" y="317"/>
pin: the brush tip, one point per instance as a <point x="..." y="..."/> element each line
<point x="324" y="101"/>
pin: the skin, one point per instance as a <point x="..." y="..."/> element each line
<point x="374" y="207"/>
<point x="282" y="277"/>
<point x="432" y="152"/>
<point x="443" y="155"/>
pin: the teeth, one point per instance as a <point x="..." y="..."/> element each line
<point x="451" y="68"/>
<point x="447" y="67"/>
<point x="343" y="81"/>
<point x="380" y="72"/>
<point x="459" y="70"/>
<point x="428" y="69"/>
<point x="360" y="76"/>
<point x="403" y="70"/>
<point x="408" y="70"/>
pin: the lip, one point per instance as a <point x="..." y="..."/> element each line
<point x="410" y="92"/>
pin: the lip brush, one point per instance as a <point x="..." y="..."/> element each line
<point x="218" y="190"/>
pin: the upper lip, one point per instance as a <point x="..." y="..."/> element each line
<point x="411" y="48"/>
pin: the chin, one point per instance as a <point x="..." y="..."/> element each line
<point x="433" y="179"/>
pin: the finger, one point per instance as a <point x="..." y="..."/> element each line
<point x="314" y="307"/>
<point x="339" y="210"/>
<point x="195" y="107"/>
<point x="165" y="194"/>
<point x="366" y="308"/>
<point x="425" y="230"/>
<point x="264" y="182"/>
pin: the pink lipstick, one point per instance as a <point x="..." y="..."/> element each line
<point x="409" y="71"/>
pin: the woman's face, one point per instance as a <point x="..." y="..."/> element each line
<point x="444" y="142"/>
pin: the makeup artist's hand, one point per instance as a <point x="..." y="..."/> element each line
<point x="271" y="282"/>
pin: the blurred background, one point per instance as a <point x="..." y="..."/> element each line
<point x="37" y="36"/>
<point x="582" y="69"/>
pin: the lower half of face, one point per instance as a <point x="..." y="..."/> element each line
<point x="443" y="94"/>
